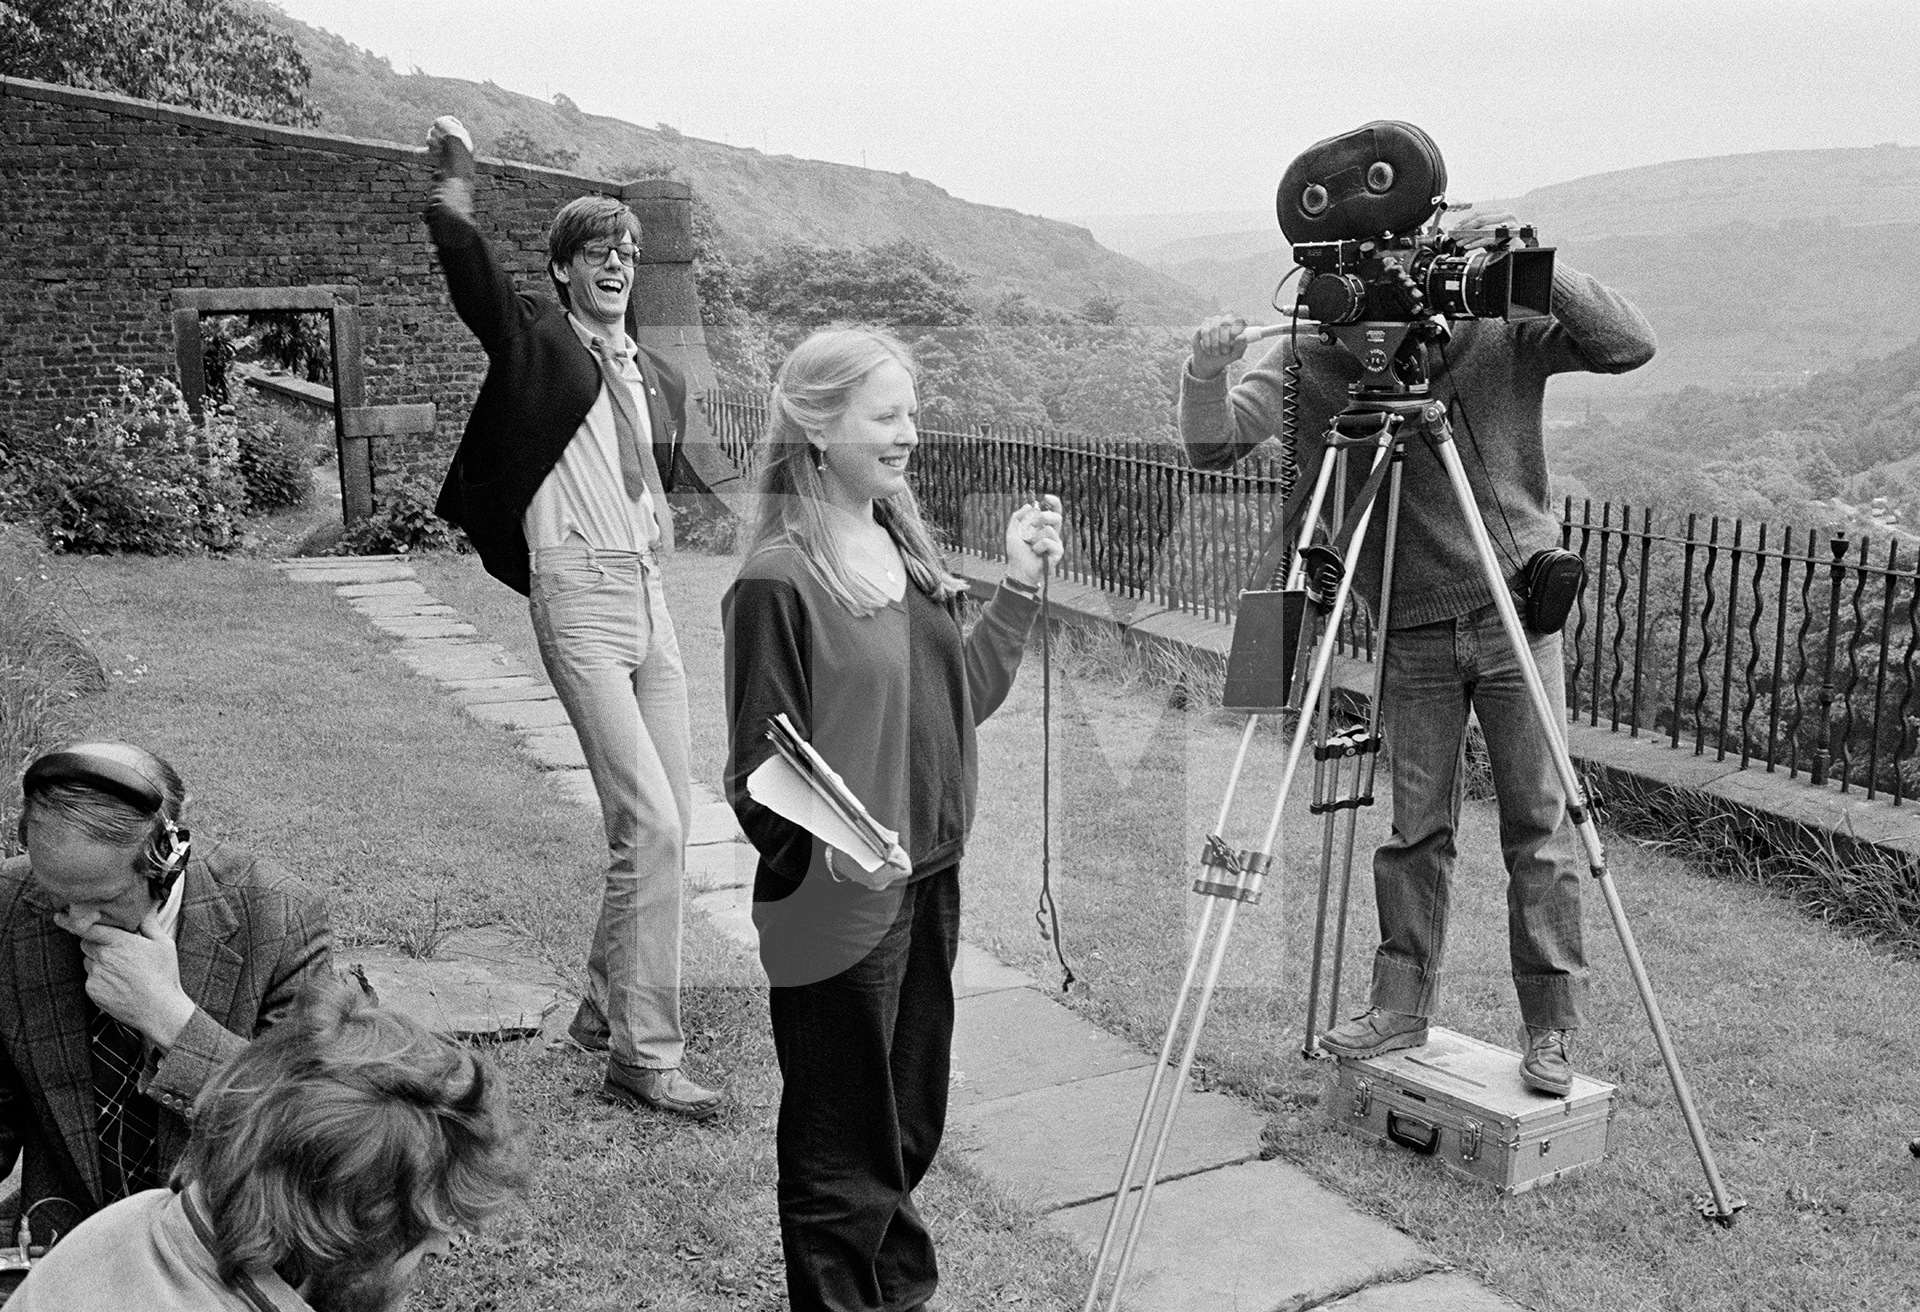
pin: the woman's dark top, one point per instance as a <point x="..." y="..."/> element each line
<point x="889" y="699"/>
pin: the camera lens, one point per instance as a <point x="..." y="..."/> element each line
<point x="1335" y="298"/>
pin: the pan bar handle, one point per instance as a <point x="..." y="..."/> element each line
<point x="1258" y="332"/>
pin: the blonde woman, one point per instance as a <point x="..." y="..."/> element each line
<point x="845" y="619"/>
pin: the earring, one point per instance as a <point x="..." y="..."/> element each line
<point x="819" y="460"/>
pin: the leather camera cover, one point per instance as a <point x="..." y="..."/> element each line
<point x="1335" y="192"/>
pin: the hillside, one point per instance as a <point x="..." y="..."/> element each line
<point x="759" y="201"/>
<point x="1755" y="269"/>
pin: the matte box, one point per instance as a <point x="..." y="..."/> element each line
<point x="1463" y="1103"/>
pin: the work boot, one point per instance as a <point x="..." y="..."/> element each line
<point x="1545" y="1067"/>
<point x="1374" y="1031"/>
<point x="663" y="1090"/>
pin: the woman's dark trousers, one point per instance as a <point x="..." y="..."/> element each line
<point x="864" y="1058"/>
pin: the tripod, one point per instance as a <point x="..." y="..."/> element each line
<point x="1381" y="416"/>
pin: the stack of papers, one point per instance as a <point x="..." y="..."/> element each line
<point x="797" y="783"/>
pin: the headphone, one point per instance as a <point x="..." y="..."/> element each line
<point x="124" y="772"/>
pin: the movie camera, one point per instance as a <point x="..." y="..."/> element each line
<point x="1362" y="210"/>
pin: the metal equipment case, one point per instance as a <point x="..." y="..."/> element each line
<point x="1462" y="1102"/>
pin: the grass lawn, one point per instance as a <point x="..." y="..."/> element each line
<point x="1801" y="1043"/>
<point x="306" y="742"/>
<point x="302" y="740"/>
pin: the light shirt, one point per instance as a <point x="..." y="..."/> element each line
<point x="170" y="909"/>
<point x="585" y="495"/>
<point x="148" y="1253"/>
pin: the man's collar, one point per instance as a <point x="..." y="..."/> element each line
<point x="263" y="1288"/>
<point x="170" y="906"/>
<point x="588" y="337"/>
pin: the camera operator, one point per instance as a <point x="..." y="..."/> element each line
<point x="1447" y="652"/>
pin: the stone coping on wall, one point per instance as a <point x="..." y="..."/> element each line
<point x="108" y="102"/>
<point x="291" y="388"/>
<point x="1648" y="758"/>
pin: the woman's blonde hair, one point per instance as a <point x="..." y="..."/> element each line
<point x="812" y="390"/>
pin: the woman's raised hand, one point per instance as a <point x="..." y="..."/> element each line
<point x="1033" y="540"/>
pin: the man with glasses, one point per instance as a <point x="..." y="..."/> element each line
<point x="133" y="963"/>
<point x="560" y="481"/>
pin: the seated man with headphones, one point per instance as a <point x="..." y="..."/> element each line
<point x="133" y="963"/>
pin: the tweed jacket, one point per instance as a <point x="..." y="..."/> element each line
<point x="540" y="383"/>
<point x="248" y="938"/>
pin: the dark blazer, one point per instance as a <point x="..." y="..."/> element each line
<point x="248" y="938"/>
<point x="540" y="384"/>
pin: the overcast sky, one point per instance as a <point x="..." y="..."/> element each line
<point x="1073" y="107"/>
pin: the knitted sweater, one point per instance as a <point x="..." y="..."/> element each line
<point x="1498" y="373"/>
<point x="889" y="699"/>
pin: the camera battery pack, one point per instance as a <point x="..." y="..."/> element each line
<point x="1463" y="1103"/>
<point x="1260" y="663"/>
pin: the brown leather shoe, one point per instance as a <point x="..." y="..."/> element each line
<point x="1545" y="1068"/>
<point x="663" y="1090"/>
<point x="1374" y="1031"/>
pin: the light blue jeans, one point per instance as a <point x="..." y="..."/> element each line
<point x="1435" y="673"/>
<point x="610" y="650"/>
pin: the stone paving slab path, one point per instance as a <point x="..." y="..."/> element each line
<point x="1043" y="1102"/>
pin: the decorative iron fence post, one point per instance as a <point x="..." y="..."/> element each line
<point x="1823" y="754"/>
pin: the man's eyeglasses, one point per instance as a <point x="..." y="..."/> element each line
<point x="597" y="253"/>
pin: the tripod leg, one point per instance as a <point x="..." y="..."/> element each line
<point x="1723" y="1207"/>
<point x="1152" y="1099"/>
<point x="1367" y="769"/>
<point x="1323" y="654"/>
<point x="1326" y="785"/>
<point x="1340" y="918"/>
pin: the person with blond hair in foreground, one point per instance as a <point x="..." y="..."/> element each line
<point x="845" y="620"/>
<point x="329" y="1160"/>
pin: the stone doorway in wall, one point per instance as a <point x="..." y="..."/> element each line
<point x="325" y="321"/>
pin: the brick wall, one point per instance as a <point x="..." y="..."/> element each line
<point x="108" y="205"/>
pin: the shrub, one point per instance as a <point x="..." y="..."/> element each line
<point x="402" y="522"/>
<point x="46" y="665"/>
<point x="133" y="474"/>
<point x="275" y="465"/>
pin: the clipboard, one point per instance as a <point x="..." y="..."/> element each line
<point x="797" y="784"/>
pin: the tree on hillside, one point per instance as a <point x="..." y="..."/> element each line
<point x="901" y="284"/>
<point x="517" y="143"/>
<point x="206" y="54"/>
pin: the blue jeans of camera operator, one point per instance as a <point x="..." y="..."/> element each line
<point x="1436" y="673"/>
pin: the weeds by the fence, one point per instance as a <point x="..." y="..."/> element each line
<point x="1837" y="879"/>
<point x="46" y="665"/>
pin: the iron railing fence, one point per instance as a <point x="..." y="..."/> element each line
<point x="1793" y="650"/>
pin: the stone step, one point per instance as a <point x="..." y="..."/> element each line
<point x="423" y="626"/>
<point x="519" y="688"/>
<point x="713" y="822"/>
<point x="1064" y="1144"/>
<point x="1443" y="1291"/>
<point x="1257" y="1236"/>
<point x="1012" y="1040"/>
<point x="555" y="748"/>
<point x="371" y="572"/>
<point x="721" y="865"/>
<point x="423" y="605"/>
<point x="978" y="971"/>
<point x="519" y="715"/>
<point x="393" y="588"/>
